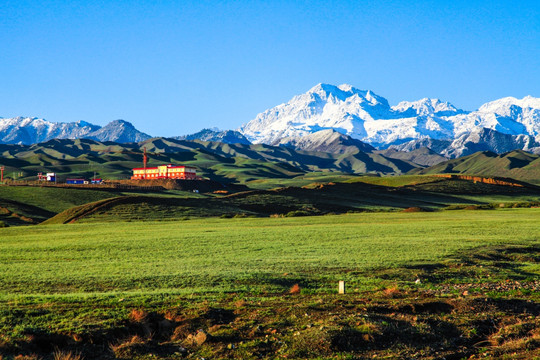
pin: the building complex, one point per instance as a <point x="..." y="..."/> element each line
<point x="165" y="172"/>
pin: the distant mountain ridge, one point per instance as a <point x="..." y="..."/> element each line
<point x="28" y="131"/>
<point x="481" y="139"/>
<point x="338" y="119"/>
<point x="215" y="160"/>
<point x="223" y="136"/>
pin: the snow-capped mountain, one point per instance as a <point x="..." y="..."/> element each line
<point x="118" y="131"/>
<point x="480" y="139"/>
<point x="368" y="117"/>
<point x="342" y="108"/>
<point x="329" y="140"/>
<point x="21" y="130"/>
<point x="223" y="136"/>
<point x="426" y="107"/>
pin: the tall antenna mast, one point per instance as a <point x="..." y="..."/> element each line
<point x="145" y="160"/>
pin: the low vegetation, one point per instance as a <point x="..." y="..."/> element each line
<point x="434" y="268"/>
<point x="450" y="284"/>
<point x="517" y="164"/>
<point x="426" y="193"/>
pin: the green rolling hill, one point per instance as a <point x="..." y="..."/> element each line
<point x="518" y="164"/>
<point x="415" y="193"/>
<point x="216" y="161"/>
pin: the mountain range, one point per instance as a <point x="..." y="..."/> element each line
<point x="250" y="164"/>
<point x="214" y="160"/>
<point x="368" y="117"/>
<point x="28" y="131"/>
<point x="342" y="120"/>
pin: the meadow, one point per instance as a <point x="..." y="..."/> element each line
<point x="232" y="255"/>
<point x="250" y="288"/>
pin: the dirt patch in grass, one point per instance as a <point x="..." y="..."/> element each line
<point x="417" y="325"/>
<point x="482" y="303"/>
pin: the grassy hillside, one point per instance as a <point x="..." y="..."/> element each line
<point x="24" y="205"/>
<point x="423" y="193"/>
<point x="517" y="164"/>
<point x="217" y="161"/>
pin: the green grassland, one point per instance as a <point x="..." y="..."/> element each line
<point x="27" y="205"/>
<point x="423" y="193"/>
<point x="114" y="274"/>
<point x="52" y="199"/>
<point x="23" y="205"/>
<point x="244" y="254"/>
<point x="147" y="290"/>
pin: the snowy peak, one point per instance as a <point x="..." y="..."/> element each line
<point x="343" y="108"/>
<point x="26" y="130"/>
<point x="506" y="106"/>
<point x="426" y="107"/>
<point x="345" y="91"/>
<point x="366" y="116"/>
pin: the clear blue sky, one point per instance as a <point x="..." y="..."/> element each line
<point x="174" y="67"/>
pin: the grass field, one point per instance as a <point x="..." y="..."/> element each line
<point x="52" y="199"/>
<point x="216" y="255"/>
<point x="142" y="290"/>
<point x="244" y="254"/>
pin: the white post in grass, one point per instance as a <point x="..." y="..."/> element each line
<point x="341" y="287"/>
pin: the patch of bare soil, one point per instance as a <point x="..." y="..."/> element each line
<point x="415" y="324"/>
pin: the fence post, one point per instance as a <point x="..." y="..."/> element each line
<point x="341" y="287"/>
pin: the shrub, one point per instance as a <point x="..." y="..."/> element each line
<point x="61" y="355"/>
<point x="311" y="343"/>
<point x="297" y="213"/>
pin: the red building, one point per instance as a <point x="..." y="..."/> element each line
<point x="166" y="172"/>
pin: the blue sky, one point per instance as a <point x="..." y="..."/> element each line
<point x="174" y="67"/>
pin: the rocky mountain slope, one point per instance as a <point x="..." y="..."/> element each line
<point x="481" y="139"/>
<point x="118" y="131"/>
<point x="330" y="141"/>
<point x="422" y="156"/>
<point x="223" y="136"/>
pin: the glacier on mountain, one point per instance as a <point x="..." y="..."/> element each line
<point x="368" y="117"/>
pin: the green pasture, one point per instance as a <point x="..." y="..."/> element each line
<point x="52" y="199"/>
<point x="254" y="255"/>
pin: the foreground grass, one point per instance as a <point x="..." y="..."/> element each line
<point x="216" y="255"/>
<point x="147" y="290"/>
